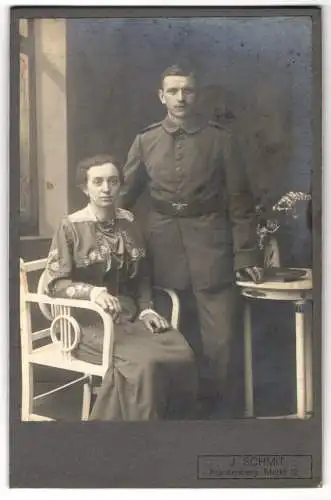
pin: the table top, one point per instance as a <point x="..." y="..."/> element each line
<point x="305" y="283"/>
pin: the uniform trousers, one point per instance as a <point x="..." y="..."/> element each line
<point x="211" y="324"/>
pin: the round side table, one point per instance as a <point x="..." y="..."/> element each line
<point x="298" y="292"/>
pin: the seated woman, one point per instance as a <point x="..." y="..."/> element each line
<point x="98" y="254"/>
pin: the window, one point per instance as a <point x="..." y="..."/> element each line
<point x="28" y="167"/>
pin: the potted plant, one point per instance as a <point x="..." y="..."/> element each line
<point x="270" y="221"/>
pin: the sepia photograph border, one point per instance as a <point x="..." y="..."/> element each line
<point x="157" y="454"/>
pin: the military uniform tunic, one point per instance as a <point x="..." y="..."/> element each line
<point x="201" y="228"/>
<point x="193" y="165"/>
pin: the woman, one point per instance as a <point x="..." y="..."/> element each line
<point x="97" y="254"/>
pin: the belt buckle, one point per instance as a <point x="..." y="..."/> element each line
<point x="179" y="206"/>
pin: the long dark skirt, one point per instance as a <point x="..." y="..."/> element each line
<point x="151" y="376"/>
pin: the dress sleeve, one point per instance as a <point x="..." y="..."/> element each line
<point x="60" y="264"/>
<point x="144" y="295"/>
<point x="141" y="278"/>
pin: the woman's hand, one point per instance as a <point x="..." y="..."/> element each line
<point x="109" y="303"/>
<point x="154" y="322"/>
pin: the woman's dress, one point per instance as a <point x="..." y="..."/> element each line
<point x="151" y="376"/>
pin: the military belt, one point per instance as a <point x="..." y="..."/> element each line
<point x="181" y="209"/>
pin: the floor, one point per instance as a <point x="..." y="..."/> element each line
<point x="274" y="395"/>
<point x="273" y="362"/>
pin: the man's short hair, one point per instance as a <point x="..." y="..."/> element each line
<point x="94" y="161"/>
<point x="178" y="70"/>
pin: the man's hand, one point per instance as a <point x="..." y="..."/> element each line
<point x="154" y="322"/>
<point x="252" y="273"/>
<point x="109" y="303"/>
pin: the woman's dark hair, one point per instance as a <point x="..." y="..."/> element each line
<point x="94" y="161"/>
<point x="178" y="70"/>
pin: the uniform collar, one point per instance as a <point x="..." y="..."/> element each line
<point x="192" y="125"/>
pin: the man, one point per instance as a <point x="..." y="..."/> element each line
<point x="201" y="227"/>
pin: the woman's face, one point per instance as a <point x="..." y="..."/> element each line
<point x="102" y="185"/>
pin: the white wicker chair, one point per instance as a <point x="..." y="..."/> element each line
<point x="57" y="352"/>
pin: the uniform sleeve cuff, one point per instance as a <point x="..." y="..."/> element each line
<point x="96" y="291"/>
<point x="246" y="258"/>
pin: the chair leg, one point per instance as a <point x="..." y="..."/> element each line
<point x="249" y="383"/>
<point x="300" y="359"/>
<point x="87" y="396"/>
<point x="27" y="392"/>
<point x="309" y="363"/>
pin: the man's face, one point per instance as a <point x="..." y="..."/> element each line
<point x="102" y="185"/>
<point x="178" y="95"/>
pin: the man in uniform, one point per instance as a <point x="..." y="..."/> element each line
<point x="201" y="227"/>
